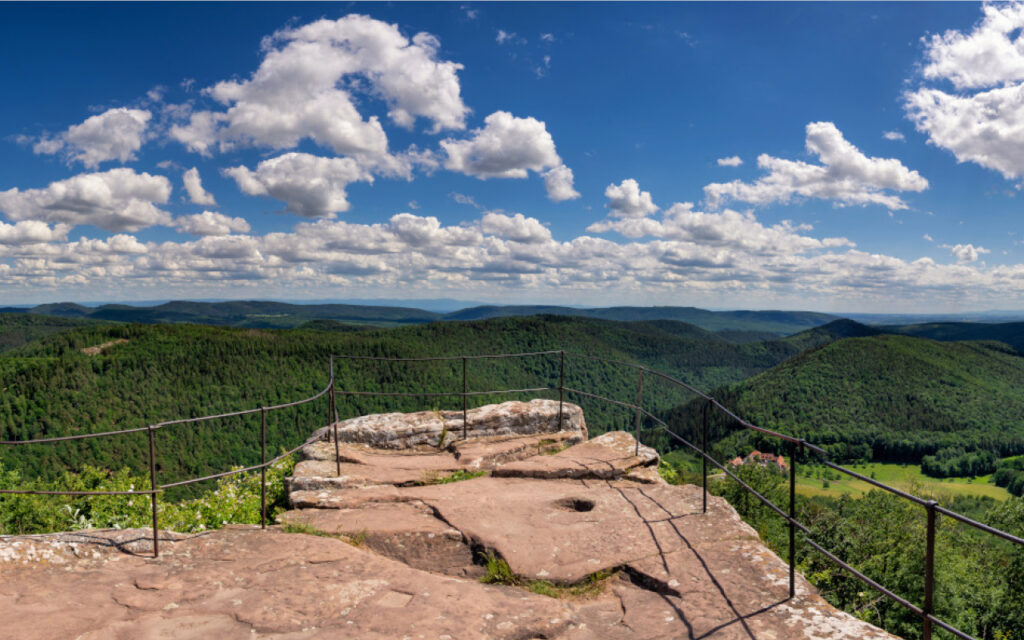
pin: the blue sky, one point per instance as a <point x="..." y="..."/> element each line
<point x="836" y="157"/>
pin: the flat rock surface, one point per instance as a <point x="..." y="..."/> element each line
<point x="238" y="583"/>
<point x="405" y="531"/>
<point x="565" y="530"/>
<point x="364" y="466"/>
<point x="241" y="582"/>
<point x="608" y="456"/>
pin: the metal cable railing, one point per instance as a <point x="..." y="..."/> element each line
<point x="925" y="611"/>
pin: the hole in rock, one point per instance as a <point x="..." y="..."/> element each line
<point x="576" y="504"/>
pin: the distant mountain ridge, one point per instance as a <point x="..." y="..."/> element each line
<point x="242" y="313"/>
<point x="779" y="322"/>
<point x="270" y="314"/>
<point x="1011" y="333"/>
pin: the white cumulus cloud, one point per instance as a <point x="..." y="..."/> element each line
<point x="194" y="186"/>
<point x="984" y="128"/>
<point x="981" y="121"/>
<point x="510" y="147"/>
<point x="966" y="252"/>
<point x="731" y="161"/>
<point x="211" y="223"/>
<point x="727" y="229"/>
<point x="114" y="200"/>
<point x="559" y="183"/>
<point x="990" y="55"/>
<point x="517" y="228"/>
<point x="626" y="200"/>
<point x="845" y="176"/>
<point x="311" y="186"/>
<point x="304" y="89"/>
<point x="894" y="136"/>
<point x="115" y="134"/>
<point x="31" y="232"/>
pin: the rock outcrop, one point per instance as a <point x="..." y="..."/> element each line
<point x="440" y="428"/>
<point x="402" y="538"/>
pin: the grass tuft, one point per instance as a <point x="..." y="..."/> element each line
<point x="354" y="539"/>
<point x="497" y="571"/>
<point x="455" y="476"/>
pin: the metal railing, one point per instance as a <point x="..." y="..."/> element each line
<point x="925" y="611"/>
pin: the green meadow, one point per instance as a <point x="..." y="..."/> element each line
<point x="907" y="477"/>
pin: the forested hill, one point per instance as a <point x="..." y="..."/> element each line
<point x="1012" y="333"/>
<point x="903" y="397"/>
<point x="18" y="329"/>
<point x="160" y="372"/>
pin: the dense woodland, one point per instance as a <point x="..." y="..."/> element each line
<point x="864" y="393"/>
<point x="17" y="329"/>
<point x="163" y="372"/>
<point x="887" y="398"/>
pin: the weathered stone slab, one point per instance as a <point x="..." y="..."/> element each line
<point x="363" y="466"/>
<point x="488" y="453"/>
<point x="561" y="530"/>
<point x="406" y="531"/>
<point x="608" y="456"/>
<point x="311" y="475"/>
<point x="346" y="499"/>
<point x="440" y="428"/>
<point x="645" y="475"/>
<point x="252" y="584"/>
<point x="478" y="453"/>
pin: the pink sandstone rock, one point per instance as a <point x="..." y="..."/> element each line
<point x="244" y="583"/>
<point x="427" y="428"/>
<point x="608" y="456"/>
<point x="598" y="506"/>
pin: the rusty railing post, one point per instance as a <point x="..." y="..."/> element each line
<point x="332" y="412"/>
<point x="152" y="489"/>
<point x="704" y="459"/>
<point x="334" y="404"/>
<point x="561" y="386"/>
<point x="337" y="447"/>
<point x="792" y="518"/>
<point x="465" y="389"/>
<point x="929" y="571"/>
<point x="639" y="408"/>
<point x="263" y="467"/>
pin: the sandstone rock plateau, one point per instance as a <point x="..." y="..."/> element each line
<point x="400" y="548"/>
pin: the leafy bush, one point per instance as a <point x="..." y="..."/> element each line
<point x="235" y="500"/>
